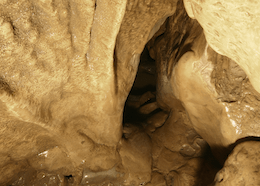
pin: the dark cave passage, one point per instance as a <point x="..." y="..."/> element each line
<point x="143" y="90"/>
<point x="141" y="109"/>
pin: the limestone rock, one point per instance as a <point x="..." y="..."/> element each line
<point x="232" y="29"/>
<point x="216" y="93"/>
<point x="62" y="82"/>
<point x="241" y="167"/>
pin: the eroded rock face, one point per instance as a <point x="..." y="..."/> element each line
<point x="49" y="73"/>
<point x="232" y="29"/>
<point x="217" y="94"/>
<point x="241" y="167"/>
<point x="63" y="87"/>
<point x="221" y="101"/>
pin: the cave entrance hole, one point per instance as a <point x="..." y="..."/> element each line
<point x="141" y="102"/>
<point x="143" y="90"/>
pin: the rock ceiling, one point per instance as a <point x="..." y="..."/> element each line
<point x="137" y="92"/>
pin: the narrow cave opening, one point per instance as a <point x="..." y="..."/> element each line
<point x="143" y="112"/>
<point x="143" y="91"/>
<point x="68" y="179"/>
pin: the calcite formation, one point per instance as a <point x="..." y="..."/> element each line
<point x="241" y="167"/>
<point x="77" y="108"/>
<point x="231" y="28"/>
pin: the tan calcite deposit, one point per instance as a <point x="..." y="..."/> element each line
<point x="63" y="85"/>
<point x="216" y="93"/>
<point x="141" y="21"/>
<point x="241" y="167"/>
<point x="221" y="113"/>
<point x="49" y="72"/>
<point x="232" y="29"/>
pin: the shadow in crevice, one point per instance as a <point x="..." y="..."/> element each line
<point x="146" y="75"/>
<point x="145" y="81"/>
<point x="208" y="169"/>
<point x="222" y="153"/>
<point x="242" y="140"/>
<point x="115" y="63"/>
<point x="68" y="180"/>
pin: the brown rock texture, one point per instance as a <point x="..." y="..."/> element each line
<point x="221" y="102"/>
<point x="63" y="84"/>
<point x="214" y="90"/>
<point x="69" y="115"/>
<point x="241" y="167"/>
